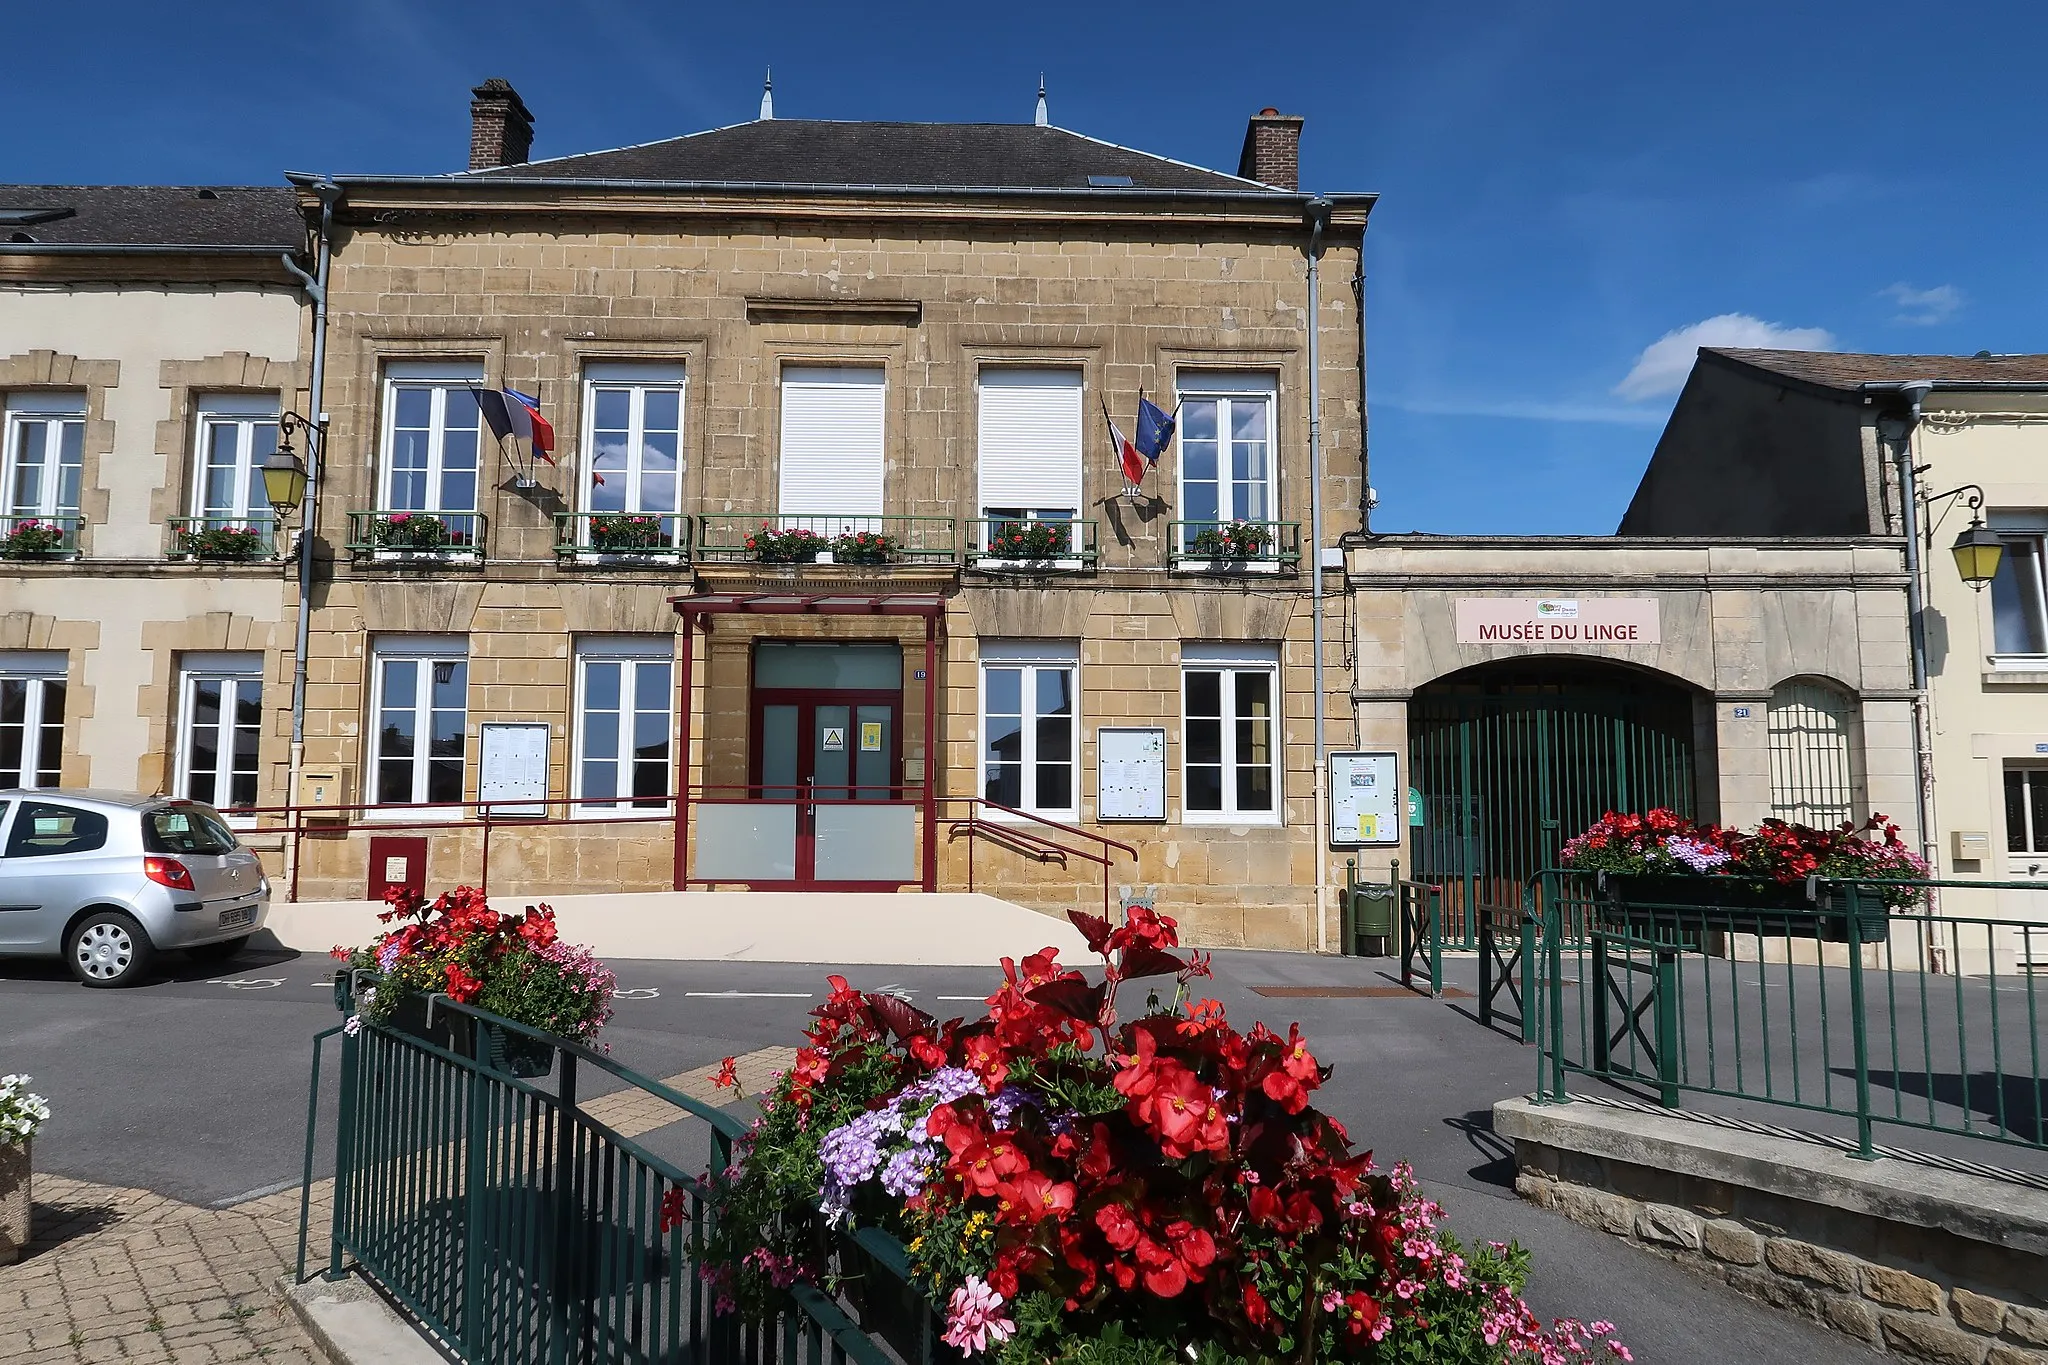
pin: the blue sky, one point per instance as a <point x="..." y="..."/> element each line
<point x="1566" y="186"/>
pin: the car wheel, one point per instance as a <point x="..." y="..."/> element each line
<point x="108" y="948"/>
<point x="217" y="952"/>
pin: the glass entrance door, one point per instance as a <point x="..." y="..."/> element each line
<point x="837" y="754"/>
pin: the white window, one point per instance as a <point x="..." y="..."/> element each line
<point x="418" y="746"/>
<point x="433" y="438"/>
<point x="633" y="439"/>
<point x="236" y="434"/>
<point x="623" y="692"/>
<point x="1226" y="450"/>
<point x="1811" y="779"/>
<point x="832" y="444"/>
<point x="1230" y="741"/>
<point x="1028" y="447"/>
<point x="220" y="725"/>
<point x="2026" y="808"/>
<point x="1031" y="726"/>
<point x="31" y="718"/>
<point x="2019" y="593"/>
<point x="42" y="461"/>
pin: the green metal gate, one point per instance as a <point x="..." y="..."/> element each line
<point x="1511" y="761"/>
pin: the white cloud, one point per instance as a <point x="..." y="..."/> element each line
<point x="1924" y="307"/>
<point x="1665" y="362"/>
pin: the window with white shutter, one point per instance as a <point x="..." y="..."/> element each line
<point x="831" y="442"/>
<point x="1029" y="444"/>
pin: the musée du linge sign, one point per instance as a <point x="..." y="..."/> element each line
<point x="1558" y="620"/>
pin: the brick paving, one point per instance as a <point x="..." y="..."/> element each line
<point x="114" y="1274"/>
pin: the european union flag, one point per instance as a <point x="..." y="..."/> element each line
<point x="1155" y="430"/>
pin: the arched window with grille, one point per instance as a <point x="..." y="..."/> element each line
<point x="1813" y="768"/>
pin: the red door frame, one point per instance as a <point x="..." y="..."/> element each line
<point x="807" y="700"/>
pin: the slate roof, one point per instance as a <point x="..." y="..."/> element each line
<point x="819" y="152"/>
<point x="1847" y="369"/>
<point x="258" y="218"/>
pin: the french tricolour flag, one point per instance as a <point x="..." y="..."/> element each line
<point x="509" y="412"/>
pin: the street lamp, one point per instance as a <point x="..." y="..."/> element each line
<point x="284" y="473"/>
<point x="1977" y="553"/>
<point x="1978" y="549"/>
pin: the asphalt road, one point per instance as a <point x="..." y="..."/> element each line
<point x="195" y="1085"/>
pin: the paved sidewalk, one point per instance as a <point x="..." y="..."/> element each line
<point x="117" y="1274"/>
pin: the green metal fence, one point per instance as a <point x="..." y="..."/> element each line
<point x="1872" y="1016"/>
<point x="1510" y="768"/>
<point x="517" y="1227"/>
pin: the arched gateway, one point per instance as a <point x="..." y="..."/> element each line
<point x="1514" y="757"/>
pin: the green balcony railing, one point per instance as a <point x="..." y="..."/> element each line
<point x="34" y="536"/>
<point x="1030" y="545"/>
<point x="247" y="539"/>
<point x="622" y="535"/>
<point x="1230" y="546"/>
<point x="402" y="534"/>
<point x="766" y="538"/>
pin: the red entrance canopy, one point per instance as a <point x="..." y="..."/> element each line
<point x="697" y="609"/>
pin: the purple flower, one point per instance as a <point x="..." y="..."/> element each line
<point x="1700" y="857"/>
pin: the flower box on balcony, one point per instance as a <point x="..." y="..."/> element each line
<point x="233" y="543"/>
<point x="771" y="546"/>
<point x="35" y="539"/>
<point x="627" y="533"/>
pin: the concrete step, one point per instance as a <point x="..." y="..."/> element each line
<point x="941" y="929"/>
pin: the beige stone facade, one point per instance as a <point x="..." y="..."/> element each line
<point x="530" y="288"/>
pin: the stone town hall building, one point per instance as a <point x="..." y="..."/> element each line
<point x="899" y="330"/>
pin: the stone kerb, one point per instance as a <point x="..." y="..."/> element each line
<point x="1925" y="1263"/>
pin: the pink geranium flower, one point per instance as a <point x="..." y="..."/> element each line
<point x="974" y="1318"/>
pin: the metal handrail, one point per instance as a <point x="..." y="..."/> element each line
<point x="1282" y="545"/>
<point x="462" y="535"/>
<point x="974" y="826"/>
<point x="1075" y="550"/>
<point x="67" y="525"/>
<point x="180" y="532"/>
<point x="667" y="535"/>
<point x="723" y="537"/>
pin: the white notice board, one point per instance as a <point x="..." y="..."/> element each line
<point x="514" y="769"/>
<point x="1130" y="773"/>
<point x="1367" y="803"/>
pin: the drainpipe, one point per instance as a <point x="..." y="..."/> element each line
<point x="1916" y="393"/>
<point x="315" y="286"/>
<point x="1317" y="214"/>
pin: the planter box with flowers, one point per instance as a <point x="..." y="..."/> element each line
<point x="21" y="1113"/>
<point x="627" y="533"/>
<point x="34" y="539"/>
<point x="1074" y="1186"/>
<point x="771" y="546"/>
<point x="240" y="543"/>
<point x="864" y="547"/>
<point x="1234" y="542"/>
<point x="1665" y="872"/>
<point x="457" y="946"/>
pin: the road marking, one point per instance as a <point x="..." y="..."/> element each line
<point x="637" y="993"/>
<point x="747" y="995"/>
<point x="255" y="983"/>
<point x="977" y="999"/>
<point x="900" y="992"/>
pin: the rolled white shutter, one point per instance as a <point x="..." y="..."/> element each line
<point x="831" y="442"/>
<point x="1029" y="447"/>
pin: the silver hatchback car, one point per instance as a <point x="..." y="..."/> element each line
<point x="107" y="880"/>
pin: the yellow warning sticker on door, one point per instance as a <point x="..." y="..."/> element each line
<point x="871" y="736"/>
<point x="835" y="739"/>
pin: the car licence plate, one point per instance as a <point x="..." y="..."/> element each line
<point x="235" y="918"/>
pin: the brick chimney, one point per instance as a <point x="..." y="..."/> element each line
<point x="500" y="126"/>
<point x="1272" y="150"/>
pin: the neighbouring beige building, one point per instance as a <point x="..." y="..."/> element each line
<point x="910" y="331"/>
<point x="1916" y="449"/>
<point x="1530" y="684"/>
<point x="149" y="339"/>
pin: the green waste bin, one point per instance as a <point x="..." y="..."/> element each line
<point x="1372" y="916"/>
